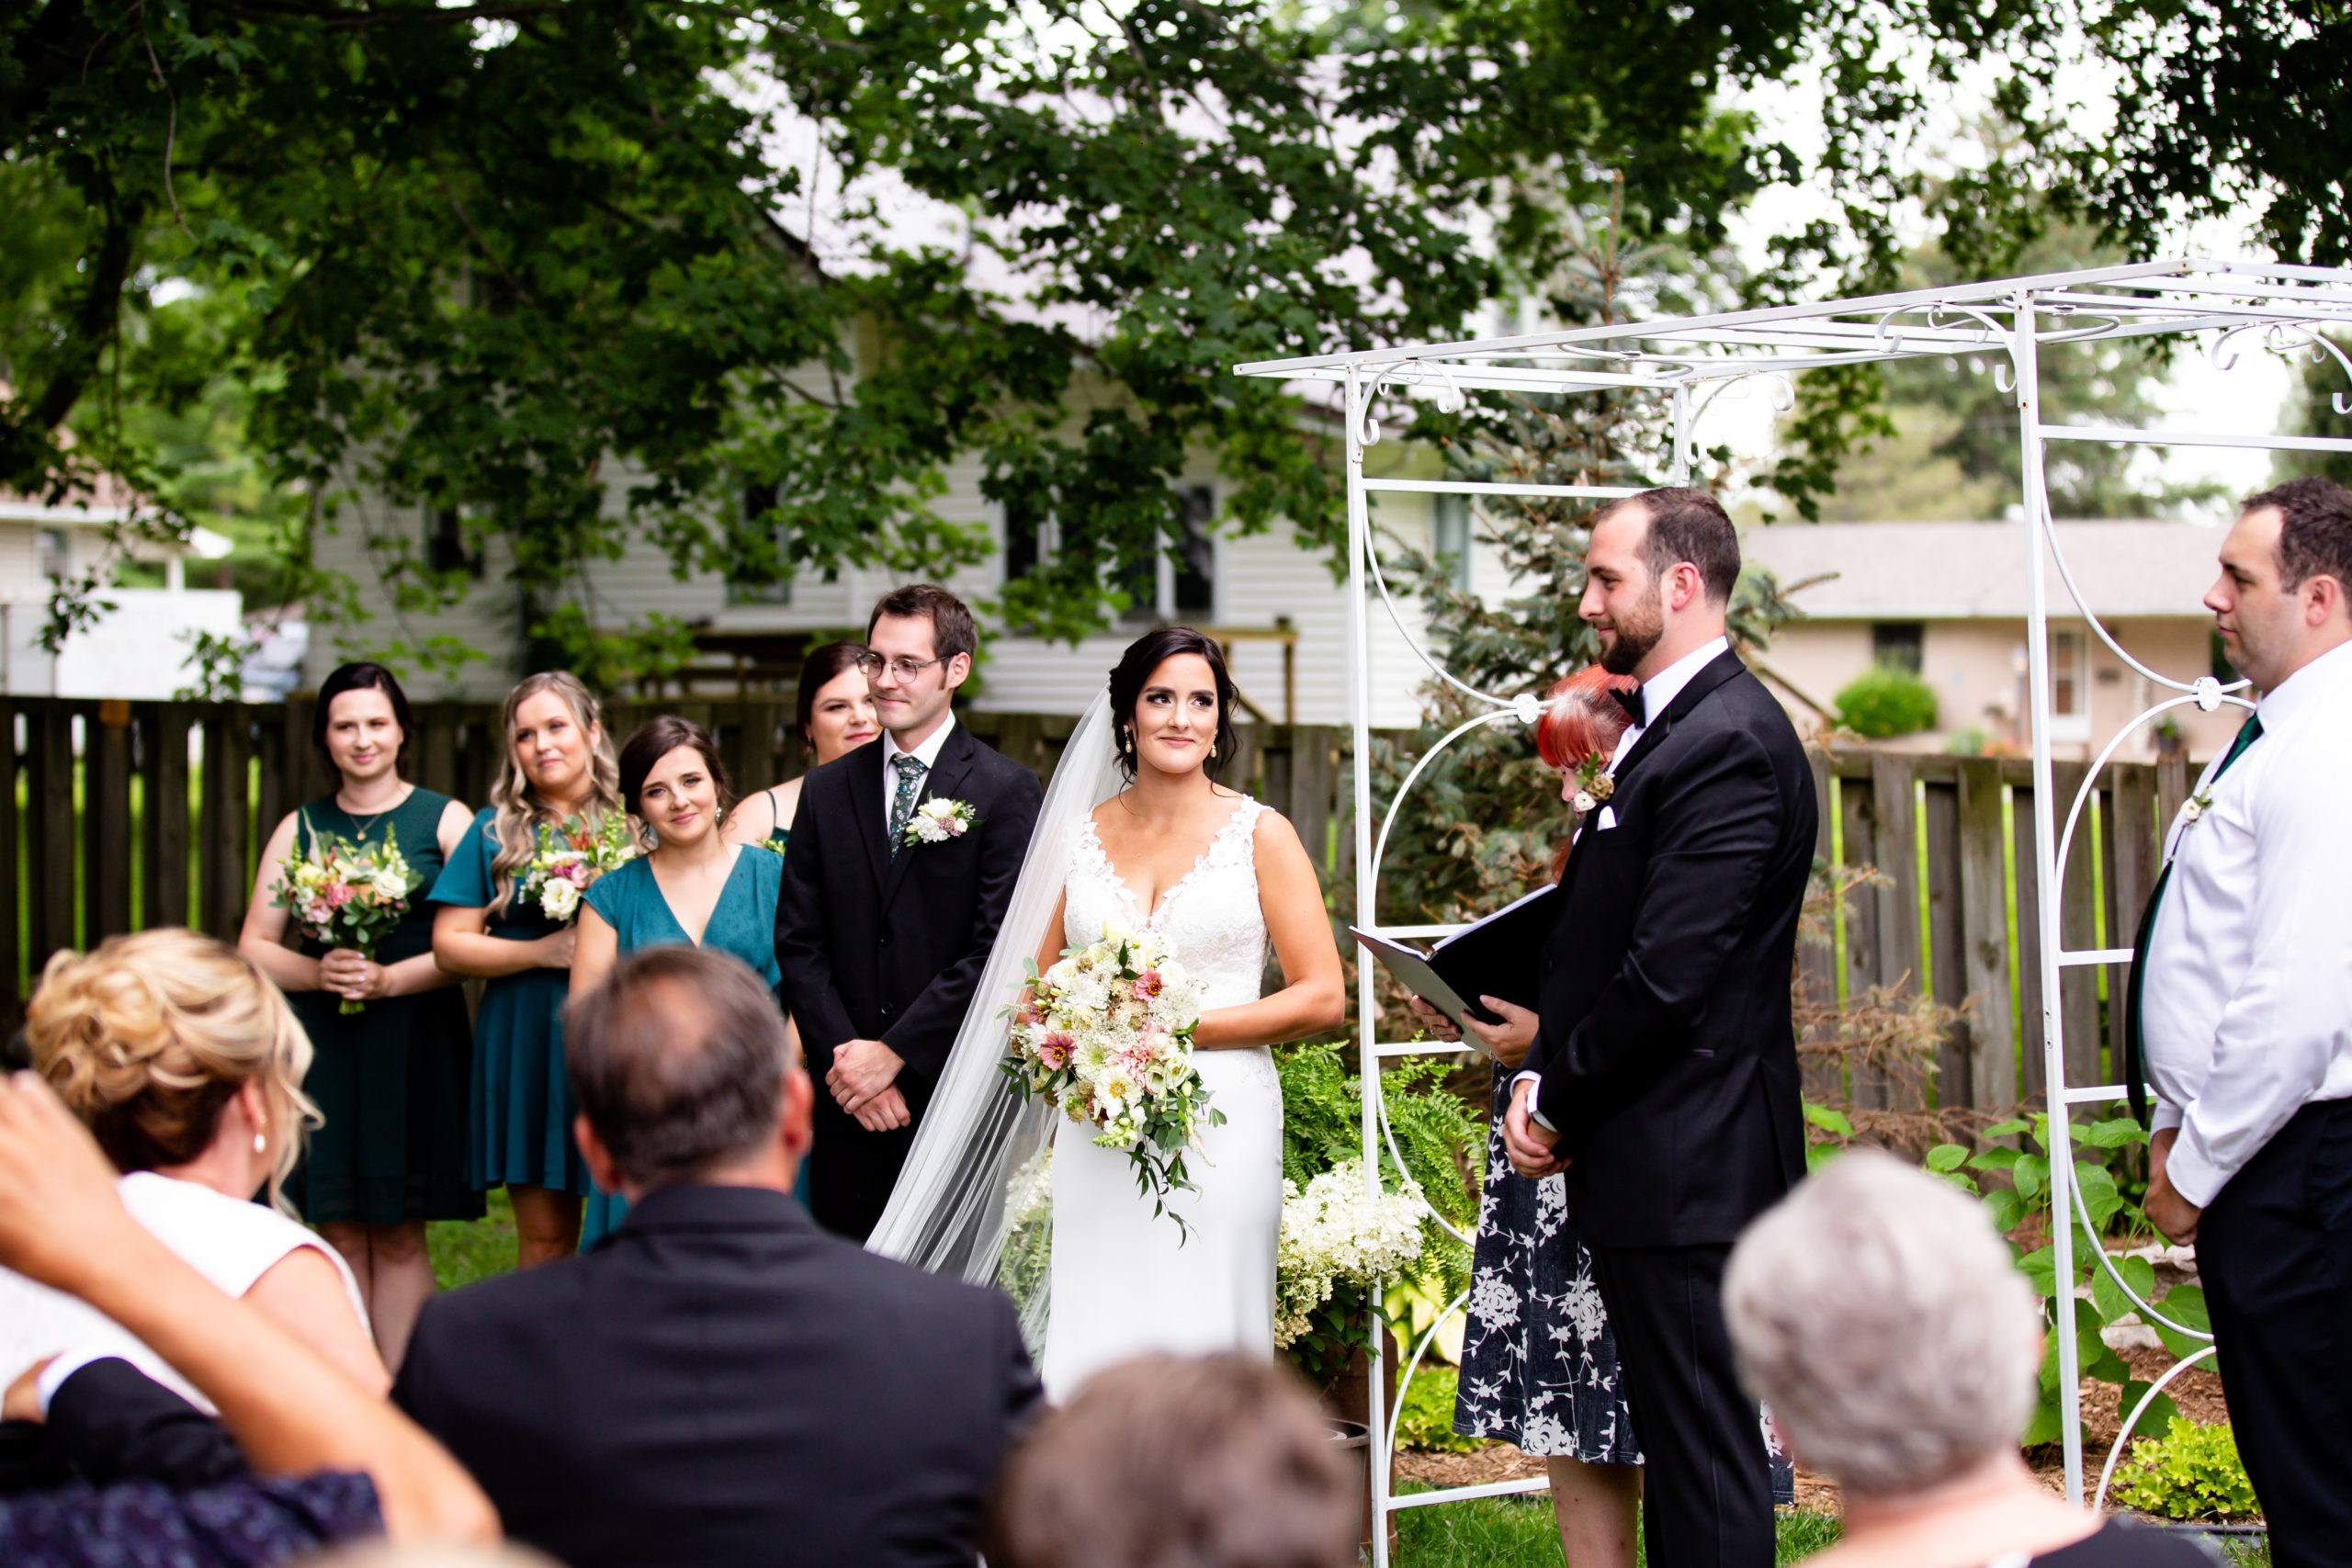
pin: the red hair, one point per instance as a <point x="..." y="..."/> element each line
<point x="1582" y="719"/>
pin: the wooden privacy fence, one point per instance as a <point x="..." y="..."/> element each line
<point x="132" y="814"/>
<point x="1956" y="910"/>
<point x="136" y="814"/>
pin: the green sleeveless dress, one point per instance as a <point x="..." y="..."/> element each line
<point x="391" y="1079"/>
<point x="518" y="1129"/>
<point x="741" y="923"/>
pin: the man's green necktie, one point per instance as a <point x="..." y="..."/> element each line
<point x="2136" y="1075"/>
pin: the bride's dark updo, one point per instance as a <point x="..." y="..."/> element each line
<point x="1148" y="653"/>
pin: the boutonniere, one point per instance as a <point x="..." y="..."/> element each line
<point x="1594" y="786"/>
<point x="2195" y="807"/>
<point x="937" y="821"/>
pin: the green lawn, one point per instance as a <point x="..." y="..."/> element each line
<point x="467" y="1250"/>
<point x="1500" y="1532"/>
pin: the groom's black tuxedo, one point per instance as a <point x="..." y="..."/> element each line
<point x="1669" y="1064"/>
<point x="874" y="948"/>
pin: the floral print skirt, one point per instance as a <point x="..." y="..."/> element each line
<point x="1539" y="1364"/>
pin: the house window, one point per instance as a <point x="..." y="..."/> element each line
<point x="2070" y="686"/>
<point x="1901" y="645"/>
<point x="1024" y="533"/>
<point x="56" y="553"/>
<point x="763" y="584"/>
<point x="448" y="546"/>
<point x="1450" y="539"/>
<point x="1195" y="585"/>
<point x="1179" y="579"/>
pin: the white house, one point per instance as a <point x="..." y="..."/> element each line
<point x="142" y="646"/>
<point x="1947" y="601"/>
<point x="1274" y="601"/>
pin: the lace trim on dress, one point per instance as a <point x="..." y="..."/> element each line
<point x="1222" y="853"/>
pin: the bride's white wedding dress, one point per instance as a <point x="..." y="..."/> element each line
<point x="1124" y="1280"/>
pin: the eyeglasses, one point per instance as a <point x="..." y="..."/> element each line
<point x="870" y="664"/>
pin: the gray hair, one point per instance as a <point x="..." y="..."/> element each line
<point x="678" y="1062"/>
<point x="1881" y="1317"/>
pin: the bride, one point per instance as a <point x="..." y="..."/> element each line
<point x="1134" y="830"/>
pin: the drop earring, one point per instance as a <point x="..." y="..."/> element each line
<point x="261" y="1142"/>
<point x="1212" y="750"/>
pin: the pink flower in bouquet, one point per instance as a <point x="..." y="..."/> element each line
<point x="1055" y="1049"/>
<point x="315" y="913"/>
<point x="338" y="894"/>
<point x="1148" y="983"/>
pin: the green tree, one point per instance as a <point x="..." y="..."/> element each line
<point x="486" y="256"/>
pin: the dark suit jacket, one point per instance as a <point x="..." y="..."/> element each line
<point x="1667" y="1050"/>
<point x="873" y="948"/>
<point x="723" y="1384"/>
<point x="111" y="1422"/>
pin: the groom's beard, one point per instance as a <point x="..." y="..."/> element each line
<point x="1636" y="634"/>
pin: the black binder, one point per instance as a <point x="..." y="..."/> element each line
<point x="1497" y="957"/>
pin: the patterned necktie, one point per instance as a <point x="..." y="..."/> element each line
<point x="2136" y="1074"/>
<point x="902" y="805"/>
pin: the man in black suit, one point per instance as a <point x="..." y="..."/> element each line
<point x="720" y="1382"/>
<point x="887" y="914"/>
<point x="1661" y="1072"/>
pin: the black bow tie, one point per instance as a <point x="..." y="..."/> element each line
<point x="1632" y="702"/>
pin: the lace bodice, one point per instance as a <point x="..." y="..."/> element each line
<point x="1210" y="914"/>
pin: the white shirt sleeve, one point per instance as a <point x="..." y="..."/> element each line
<point x="2289" y="1018"/>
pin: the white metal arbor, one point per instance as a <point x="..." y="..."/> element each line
<point x="1686" y="363"/>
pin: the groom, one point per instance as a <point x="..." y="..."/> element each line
<point x="881" y="933"/>
<point x="1662" y="1075"/>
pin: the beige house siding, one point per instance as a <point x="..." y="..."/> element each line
<point x="1965" y="583"/>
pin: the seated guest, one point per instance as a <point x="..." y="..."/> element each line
<point x="1877" y="1313"/>
<point x="322" y="1459"/>
<point x="187" y="1065"/>
<point x="720" y="1382"/>
<point x="1180" y="1461"/>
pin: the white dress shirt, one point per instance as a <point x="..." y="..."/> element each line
<point x="927" y="754"/>
<point x="2246" y="1008"/>
<point x="1657" y="693"/>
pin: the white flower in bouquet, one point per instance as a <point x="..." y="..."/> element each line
<point x="559" y="899"/>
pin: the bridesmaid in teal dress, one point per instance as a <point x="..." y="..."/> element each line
<point x="558" y="766"/>
<point x="691" y="888"/>
<point x="390" y="1078"/>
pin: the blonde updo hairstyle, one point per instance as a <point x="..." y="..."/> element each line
<point x="150" y="1036"/>
<point x="516" y="800"/>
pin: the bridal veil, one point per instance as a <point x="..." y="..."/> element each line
<point x="972" y="1200"/>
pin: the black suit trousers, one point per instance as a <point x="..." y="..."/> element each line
<point x="2274" y="1251"/>
<point x="1707" y="1481"/>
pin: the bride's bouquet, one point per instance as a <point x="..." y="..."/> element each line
<point x="570" y="859"/>
<point x="1107" y="1035"/>
<point x="346" y="896"/>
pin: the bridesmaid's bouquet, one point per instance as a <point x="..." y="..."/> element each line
<point x="569" y="860"/>
<point x="346" y="896"/>
<point x="1107" y="1035"/>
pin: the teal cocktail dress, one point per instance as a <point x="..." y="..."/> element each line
<point x="390" y="1079"/>
<point x="518" y="1129"/>
<point x="742" y="923"/>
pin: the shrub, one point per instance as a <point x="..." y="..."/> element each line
<point x="1884" y="702"/>
<point x="2190" y="1472"/>
<point x="1427" y="1421"/>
